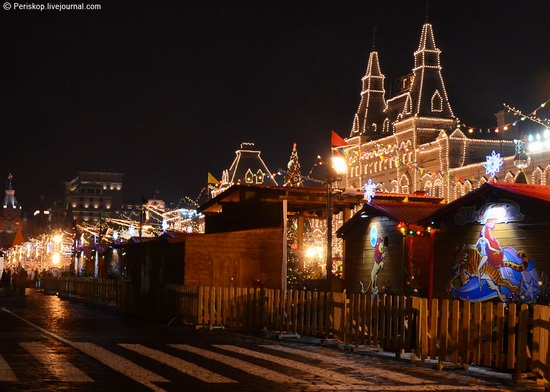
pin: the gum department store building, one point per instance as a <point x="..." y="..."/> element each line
<point x="413" y="142"/>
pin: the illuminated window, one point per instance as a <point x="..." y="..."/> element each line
<point x="428" y="188"/>
<point x="249" y="177"/>
<point x="438" y="188"/>
<point x="405" y="184"/>
<point x="394" y="187"/>
<point x="259" y="177"/>
<point x="537" y="176"/>
<point x="459" y="191"/>
<point x="547" y="175"/>
<point x="408" y="105"/>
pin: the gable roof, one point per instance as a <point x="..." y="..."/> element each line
<point x="400" y="208"/>
<point x="311" y="200"/>
<point x="248" y="159"/>
<point x="493" y="191"/>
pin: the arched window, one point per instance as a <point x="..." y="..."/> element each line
<point x="408" y="105"/>
<point x="260" y="177"/>
<point x="249" y="177"/>
<point x="537" y="176"/>
<point x="546" y="176"/>
<point x="437" y="102"/>
<point x="438" y="188"/>
<point x="427" y="187"/>
<point x="394" y="186"/>
<point x="459" y="190"/>
<point x="405" y="182"/>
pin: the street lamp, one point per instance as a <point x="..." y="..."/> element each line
<point x="337" y="167"/>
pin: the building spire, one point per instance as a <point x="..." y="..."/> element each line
<point x="373" y="38"/>
<point x="369" y="118"/>
<point x="9" y="199"/>
<point x="427" y="96"/>
<point x="427" y="11"/>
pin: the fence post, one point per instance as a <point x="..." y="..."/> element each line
<point x="511" y="338"/>
<point x="499" y="343"/>
<point x="522" y="339"/>
<point x="487" y="339"/>
<point x="433" y="340"/>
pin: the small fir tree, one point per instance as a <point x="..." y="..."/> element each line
<point x="293" y="177"/>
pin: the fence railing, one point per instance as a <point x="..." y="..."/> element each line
<point x="513" y="338"/>
<point x="105" y="291"/>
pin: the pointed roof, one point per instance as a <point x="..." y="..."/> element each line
<point x="369" y="119"/>
<point x="18" y="239"/>
<point x="248" y="167"/>
<point x="427" y="96"/>
<point x="9" y="198"/>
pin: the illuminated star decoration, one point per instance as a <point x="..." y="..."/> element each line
<point x="493" y="164"/>
<point x="370" y="188"/>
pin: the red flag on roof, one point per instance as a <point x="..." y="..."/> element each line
<point x="337" y="141"/>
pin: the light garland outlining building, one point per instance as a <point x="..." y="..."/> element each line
<point x="414" y="142"/>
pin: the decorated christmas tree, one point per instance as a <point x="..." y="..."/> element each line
<point x="293" y="177"/>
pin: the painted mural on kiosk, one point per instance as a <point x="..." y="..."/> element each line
<point x="380" y="246"/>
<point x="485" y="270"/>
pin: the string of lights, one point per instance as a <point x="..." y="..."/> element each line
<point x="545" y="122"/>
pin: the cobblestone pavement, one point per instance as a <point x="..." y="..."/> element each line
<point x="52" y="344"/>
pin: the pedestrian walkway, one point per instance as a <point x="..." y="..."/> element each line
<point x="322" y="374"/>
<point x="45" y="359"/>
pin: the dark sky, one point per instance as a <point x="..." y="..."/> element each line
<point x="165" y="91"/>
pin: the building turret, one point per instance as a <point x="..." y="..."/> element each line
<point x="370" y="116"/>
<point x="9" y="199"/>
<point x="427" y="96"/>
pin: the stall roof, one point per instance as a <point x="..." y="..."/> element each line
<point x="400" y="208"/>
<point x="300" y="199"/>
<point x="493" y="191"/>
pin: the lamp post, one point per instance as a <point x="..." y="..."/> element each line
<point x="336" y="167"/>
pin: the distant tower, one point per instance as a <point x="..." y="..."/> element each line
<point x="9" y="199"/>
<point x="10" y="218"/>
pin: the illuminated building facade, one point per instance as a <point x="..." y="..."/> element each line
<point x="248" y="167"/>
<point x="414" y="141"/>
<point x="92" y="195"/>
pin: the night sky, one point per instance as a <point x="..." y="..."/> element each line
<point x="165" y="91"/>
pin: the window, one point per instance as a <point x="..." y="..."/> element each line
<point x="437" y="102"/>
<point x="249" y="177"/>
<point x="260" y="177"/>
<point x="405" y="184"/>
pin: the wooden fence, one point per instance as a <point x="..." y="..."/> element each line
<point x="104" y="291"/>
<point x="513" y="338"/>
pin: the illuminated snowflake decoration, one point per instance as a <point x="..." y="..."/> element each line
<point x="493" y="164"/>
<point x="370" y="188"/>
